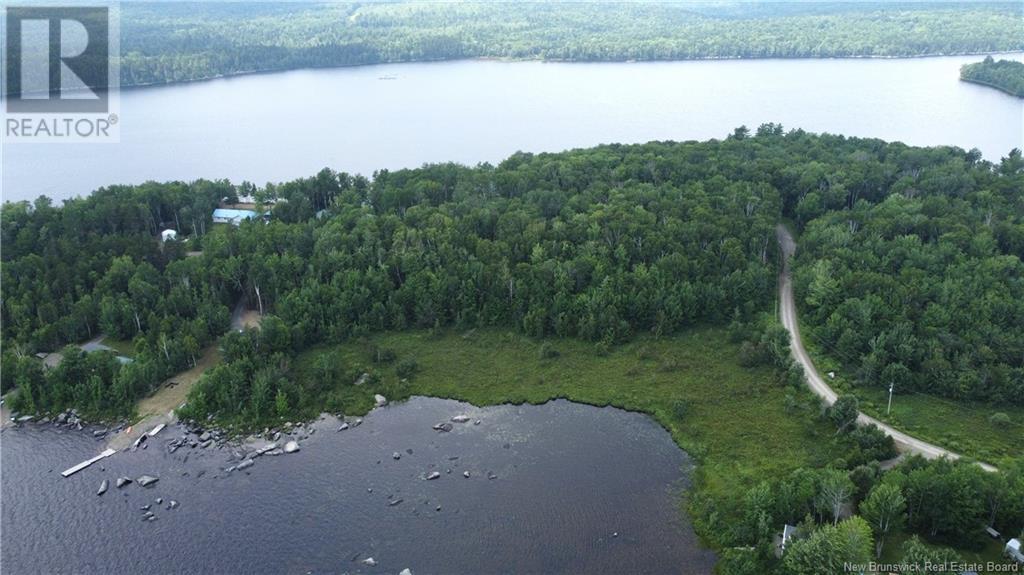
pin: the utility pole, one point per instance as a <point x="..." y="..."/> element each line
<point x="889" y="408"/>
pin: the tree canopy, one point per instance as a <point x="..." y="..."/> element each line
<point x="909" y="260"/>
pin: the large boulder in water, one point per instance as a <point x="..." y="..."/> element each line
<point x="122" y="481"/>
<point x="147" y="480"/>
<point x="103" y="487"/>
<point x="291" y="447"/>
<point x="433" y="475"/>
<point x="460" y="418"/>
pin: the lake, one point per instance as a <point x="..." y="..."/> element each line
<point x="575" y="489"/>
<point x="282" y="126"/>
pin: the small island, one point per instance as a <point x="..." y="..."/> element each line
<point x="1004" y="75"/>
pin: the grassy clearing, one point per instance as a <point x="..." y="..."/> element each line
<point x="993" y="551"/>
<point x="960" y="426"/>
<point x="733" y="420"/>
<point x="123" y="347"/>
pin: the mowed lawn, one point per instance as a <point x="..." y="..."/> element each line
<point x="734" y="419"/>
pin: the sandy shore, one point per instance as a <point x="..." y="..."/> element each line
<point x="159" y="407"/>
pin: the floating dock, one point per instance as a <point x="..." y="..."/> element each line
<point x="73" y="470"/>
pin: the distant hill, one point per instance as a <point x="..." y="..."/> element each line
<point x="181" y="41"/>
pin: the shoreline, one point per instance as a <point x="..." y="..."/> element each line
<point x="991" y="85"/>
<point x="267" y="71"/>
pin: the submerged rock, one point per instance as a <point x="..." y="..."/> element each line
<point x="396" y="455"/>
<point x="291" y="447"/>
<point x="103" y="487"/>
<point x="147" y="480"/>
<point x="172" y="505"/>
<point x="394" y="502"/>
<point x="369" y="561"/>
<point x="444" y="427"/>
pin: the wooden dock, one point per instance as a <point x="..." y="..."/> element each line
<point x="73" y="470"/>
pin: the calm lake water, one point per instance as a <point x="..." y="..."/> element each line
<point x="568" y="478"/>
<point x="281" y="126"/>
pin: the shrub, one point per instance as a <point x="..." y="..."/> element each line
<point x="1000" y="419"/>
<point x="795" y="375"/>
<point x="407" y="367"/>
<point x="843" y="412"/>
<point x="547" y="351"/>
<point x="645" y="352"/>
<point x="383" y="354"/>
<point x="679" y="409"/>
<point x="751" y="355"/>
<point x="670" y="364"/>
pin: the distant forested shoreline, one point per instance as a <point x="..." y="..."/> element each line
<point x="1003" y="75"/>
<point x="175" y="42"/>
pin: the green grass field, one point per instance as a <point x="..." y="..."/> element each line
<point x="960" y="426"/>
<point x="735" y="420"/>
<point x="124" y="347"/>
<point x="993" y="551"/>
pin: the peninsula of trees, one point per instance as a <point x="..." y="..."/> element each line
<point x="165" y="42"/>
<point x="1005" y="75"/>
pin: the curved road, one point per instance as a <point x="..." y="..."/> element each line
<point x="787" y="311"/>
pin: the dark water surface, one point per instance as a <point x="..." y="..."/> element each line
<point x="276" y="127"/>
<point x="568" y="477"/>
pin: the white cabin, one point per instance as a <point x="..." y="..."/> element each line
<point x="1013" y="550"/>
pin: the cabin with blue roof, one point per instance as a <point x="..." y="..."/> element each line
<point x="231" y="216"/>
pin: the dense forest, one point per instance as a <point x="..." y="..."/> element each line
<point x="180" y="41"/>
<point x="1005" y="75"/>
<point x="915" y="278"/>
<point x="909" y="267"/>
